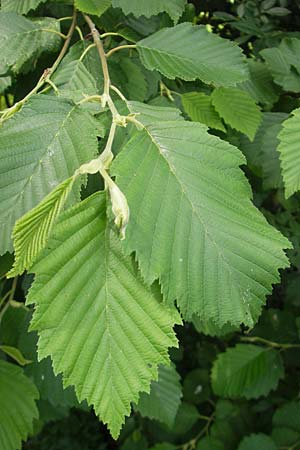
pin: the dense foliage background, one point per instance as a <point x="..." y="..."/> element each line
<point x="236" y="388"/>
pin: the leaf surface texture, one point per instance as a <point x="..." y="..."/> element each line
<point x="103" y="328"/>
<point x="40" y="146"/>
<point x="193" y="225"/>
<point x="191" y="52"/>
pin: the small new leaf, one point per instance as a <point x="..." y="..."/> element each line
<point x="32" y="230"/>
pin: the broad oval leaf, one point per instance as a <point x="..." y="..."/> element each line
<point x="193" y="225"/>
<point x="103" y="328"/>
<point x="17" y="406"/>
<point x="191" y="52"/>
<point x="246" y="370"/>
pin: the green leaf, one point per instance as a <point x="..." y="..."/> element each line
<point x="272" y="178"/>
<point x="21" y="40"/>
<point x="246" y="370"/>
<point x="136" y="441"/>
<point x="164" y="446"/>
<point x="20" y="6"/>
<point x="74" y="81"/>
<point x="289" y="153"/>
<point x="49" y="386"/>
<point x="135" y="83"/>
<point x="258" y="441"/>
<point x="119" y="332"/>
<point x="210" y="443"/>
<point x="148" y="114"/>
<point x="32" y="230"/>
<point x="283" y="63"/>
<point x="254" y="151"/>
<point x="95" y="7"/>
<point x="238" y="110"/>
<point x="232" y="421"/>
<point x="285" y="437"/>
<point x="17" y="406"/>
<point x="200" y="109"/>
<point x="260" y="85"/>
<point x="193" y="225"/>
<point x="186" y="418"/>
<point x="196" y="386"/>
<point x="209" y="328"/>
<point x="148" y="8"/>
<point x="164" y="398"/>
<point x="278" y="11"/>
<point x="191" y="52"/>
<point x="288" y="415"/>
<point x="40" y="147"/>
<point x="15" y="354"/>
